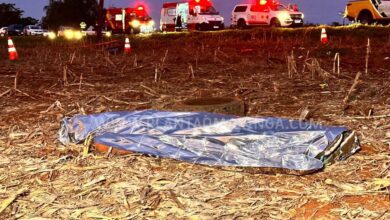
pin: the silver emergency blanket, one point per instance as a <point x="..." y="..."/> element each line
<point x="215" y="139"/>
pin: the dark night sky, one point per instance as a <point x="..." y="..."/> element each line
<point x="316" y="11"/>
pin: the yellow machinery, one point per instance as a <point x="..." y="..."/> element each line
<point x="368" y="11"/>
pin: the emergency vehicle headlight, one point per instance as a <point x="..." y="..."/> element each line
<point x="78" y="35"/>
<point x="69" y="34"/>
<point x="108" y="34"/>
<point x="151" y="23"/>
<point x="135" y="23"/>
<point x="284" y="16"/>
<point x="52" y="35"/>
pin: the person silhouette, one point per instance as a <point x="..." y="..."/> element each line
<point x="295" y="7"/>
<point x="179" y="23"/>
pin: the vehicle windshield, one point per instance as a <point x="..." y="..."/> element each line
<point x="279" y="8"/>
<point x="208" y="11"/>
<point x="35" y="27"/>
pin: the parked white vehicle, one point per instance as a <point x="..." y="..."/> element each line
<point x="33" y="30"/>
<point x="3" y="31"/>
<point x="46" y="33"/>
<point x="191" y="15"/>
<point x="266" y="14"/>
<point x="91" y="31"/>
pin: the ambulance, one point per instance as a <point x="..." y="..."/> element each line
<point x="128" y="20"/>
<point x="266" y="13"/>
<point x="190" y="15"/>
<point x="368" y="11"/>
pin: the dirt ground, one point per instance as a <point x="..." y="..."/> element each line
<point x="41" y="179"/>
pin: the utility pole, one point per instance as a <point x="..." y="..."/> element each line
<point x="100" y="20"/>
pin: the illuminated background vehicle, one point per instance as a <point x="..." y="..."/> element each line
<point x="264" y="12"/>
<point x="15" y="30"/>
<point x="128" y="20"/>
<point x="91" y="31"/>
<point x="195" y="15"/>
<point x="33" y="30"/>
<point x="368" y="11"/>
<point x="69" y="33"/>
<point x="3" y="31"/>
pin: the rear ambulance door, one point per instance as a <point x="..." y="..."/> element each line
<point x="169" y="15"/>
<point x="183" y="10"/>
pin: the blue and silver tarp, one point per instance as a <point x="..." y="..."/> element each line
<point x="215" y="139"/>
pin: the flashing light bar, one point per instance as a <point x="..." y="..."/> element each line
<point x="265" y="2"/>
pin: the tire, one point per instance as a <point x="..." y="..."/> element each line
<point x="365" y="17"/>
<point x="135" y="31"/>
<point x="204" y="27"/>
<point x="229" y="106"/>
<point x="241" y="24"/>
<point x="275" y="22"/>
<point x="198" y="27"/>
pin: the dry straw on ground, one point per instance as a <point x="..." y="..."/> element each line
<point x="41" y="179"/>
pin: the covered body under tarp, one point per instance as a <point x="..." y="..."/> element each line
<point x="288" y="146"/>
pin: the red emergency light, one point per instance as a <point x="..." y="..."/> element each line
<point x="204" y="3"/>
<point x="266" y="2"/>
<point x="141" y="6"/>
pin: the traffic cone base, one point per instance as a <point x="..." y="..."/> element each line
<point x="12" y="53"/>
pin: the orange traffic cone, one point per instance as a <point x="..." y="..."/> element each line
<point x="324" y="36"/>
<point x="13" y="55"/>
<point x="127" y="46"/>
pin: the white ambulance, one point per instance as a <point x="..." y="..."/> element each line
<point x="190" y="15"/>
<point x="266" y="13"/>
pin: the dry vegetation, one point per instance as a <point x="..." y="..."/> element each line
<point x="283" y="73"/>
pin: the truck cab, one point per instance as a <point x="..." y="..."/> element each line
<point x="194" y="15"/>
<point x="368" y="11"/>
<point x="128" y="20"/>
<point x="266" y="13"/>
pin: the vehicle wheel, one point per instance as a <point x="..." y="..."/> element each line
<point x="229" y="106"/>
<point x="198" y="27"/>
<point x="135" y="31"/>
<point x="204" y="27"/>
<point x="275" y="22"/>
<point x="365" y="17"/>
<point x="241" y="24"/>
